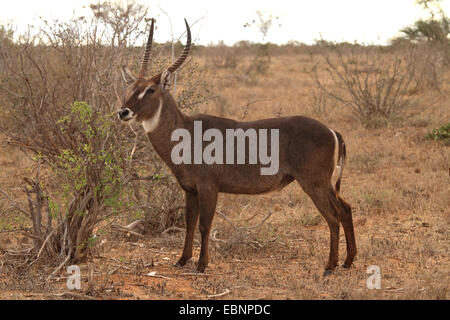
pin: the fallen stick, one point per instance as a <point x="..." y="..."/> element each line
<point x="154" y="275"/>
<point x="219" y="294"/>
<point x="115" y="270"/>
<point x="58" y="268"/>
<point x="77" y="295"/>
<point x="124" y="229"/>
<point x="173" y="228"/>
<point x="194" y="274"/>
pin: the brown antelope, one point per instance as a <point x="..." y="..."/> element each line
<point x="308" y="152"/>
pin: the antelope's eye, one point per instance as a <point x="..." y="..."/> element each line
<point x="149" y="89"/>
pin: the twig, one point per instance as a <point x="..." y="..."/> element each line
<point x="246" y="106"/>
<point x="248" y="228"/>
<point x="200" y="101"/>
<point x="254" y="101"/>
<point x="15" y="205"/>
<point x="135" y="144"/>
<point x="219" y="294"/>
<point x="139" y="245"/>
<point x="172" y="228"/>
<point x="77" y="295"/>
<point x="58" y="268"/>
<point x="194" y="274"/>
<point x="172" y="49"/>
<point x="262" y="221"/>
<point x="154" y="275"/>
<point x="277" y="114"/>
<point x="214" y="238"/>
<point x="226" y="219"/>
<point x="124" y="229"/>
<point x="19" y="252"/>
<point x="247" y="220"/>
<point x="114" y="270"/>
<point x="243" y="209"/>
<point x="66" y="293"/>
<point x="133" y="224"/>
<point x="15" y="230"/>
<point x="48" y="237"/>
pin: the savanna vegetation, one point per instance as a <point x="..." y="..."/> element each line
<point x="78" y="187"/>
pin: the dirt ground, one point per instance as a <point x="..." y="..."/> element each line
<point x="397" y="183"/>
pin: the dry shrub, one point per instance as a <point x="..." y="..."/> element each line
<point x="235" y="238"/>
<point x="90" y="170"/>
<point x="59" y="96"/>
<point x="79" y="142"/>
<point x="223" y="57"/>
<point x="372" y="82"/>
<point x="432" y="65"/>
<point x="261" y="62"/>
<point x="320" y="104"/>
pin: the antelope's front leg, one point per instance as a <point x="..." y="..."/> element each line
<point x="191" y="221"/>
<point x="207" y="207"/>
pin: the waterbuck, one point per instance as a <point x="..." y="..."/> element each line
<point x="308" y="152"/>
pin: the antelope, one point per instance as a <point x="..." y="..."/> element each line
<point x="309" y="152"/>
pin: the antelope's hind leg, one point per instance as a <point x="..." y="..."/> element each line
<point x="345" y="216"/>
<point x="321" y="196"/>
<point x="347" y="224"/>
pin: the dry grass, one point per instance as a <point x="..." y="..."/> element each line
<point x="397" y="183"/>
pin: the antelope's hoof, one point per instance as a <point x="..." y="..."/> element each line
<point x="201" y="269"/>
<point x="327" y="272"/>
<point x="180" y="263"/>
<point x="346" y="265"/>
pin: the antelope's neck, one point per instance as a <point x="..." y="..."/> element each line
<point x="160" y="127"/>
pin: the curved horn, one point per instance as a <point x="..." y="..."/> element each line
<point x="148" y="49"/>
<point x="185" y="52"/>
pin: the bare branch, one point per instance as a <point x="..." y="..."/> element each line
<point x="14" y="204"/>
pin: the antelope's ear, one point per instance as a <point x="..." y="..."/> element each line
<point x="128" y="76"/>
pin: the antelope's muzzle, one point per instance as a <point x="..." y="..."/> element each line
<point x="125" y="114"/>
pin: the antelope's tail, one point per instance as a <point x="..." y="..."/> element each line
<point x="342" y="153"/>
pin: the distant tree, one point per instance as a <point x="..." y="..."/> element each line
<point x="429" y="30"/>
<point x="6" y="41"/>
<point x="264" y="23"/>
<point x="123" y="20"/>
<point x="6" y="34"/>
<point x="262" y="59"/>
<point x="432" y="6"/>
<point x="243" y="44"/>
<point x="434" y="29"/>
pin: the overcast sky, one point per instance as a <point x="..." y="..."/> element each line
<point x="367" y="21"/>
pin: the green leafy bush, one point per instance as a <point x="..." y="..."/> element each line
<point x="89" y="166"/>
<point x="440" y="134"/>
<point x="100" y="167"/>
